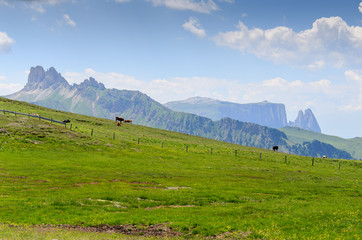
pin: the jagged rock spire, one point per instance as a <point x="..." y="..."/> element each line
<point x="40" y="79"/>
<point x="306" y="121"/>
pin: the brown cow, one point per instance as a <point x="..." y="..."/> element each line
<point x="119" y="124"/>
<point x="128" y="121"/>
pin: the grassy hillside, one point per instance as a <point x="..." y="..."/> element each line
<point x="66" y="178"/>
<point x="298" y="135"/>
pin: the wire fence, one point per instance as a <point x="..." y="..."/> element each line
<point x="34" y="116"/>
<point x="254" y="154"/>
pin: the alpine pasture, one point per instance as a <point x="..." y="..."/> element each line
<point x="95" y="180"/>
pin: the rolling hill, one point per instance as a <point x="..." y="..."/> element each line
<point x="144" y="182"/>
<point x="298" y="135"/>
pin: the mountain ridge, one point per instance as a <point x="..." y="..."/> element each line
<point x="92" y="98"/>
<point x="264" y="113"/>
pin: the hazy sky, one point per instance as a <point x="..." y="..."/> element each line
<point x="303" y="53"/>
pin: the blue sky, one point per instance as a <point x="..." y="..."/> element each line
<point x="305" y="54"/>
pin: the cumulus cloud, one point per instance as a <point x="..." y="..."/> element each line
<point x="5" y="43"/>
<point x="330" y="42"/>
<point x="192" y="5"/>
<point x="355" y="93"/>
<point x="194" y="27"/>
<point x="36" y="5"/>
<point x="6" y="89"/>
<point x="5" y="3"/>
<point x="122" y="1"/>
<point x="296" y="94"/>
<point x="360" y="7"/>
<point x="69" y="21"/>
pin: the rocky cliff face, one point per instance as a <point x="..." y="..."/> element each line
<point x="39" y="79"/>
<point x="306" y="121"/>
<point x="263" y="113"/>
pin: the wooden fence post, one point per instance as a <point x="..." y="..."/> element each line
<point x="114" y="136"/>
<point x="236" y="152"/>
<point x="138" y="141"/>
<point x="211" y="151"/>
<point x="92" y="132"/>
<point x="312" y="161"/>
<point x="339" y="167"/>
<point x="162" y="145"/>
<point x="71" y="126"/>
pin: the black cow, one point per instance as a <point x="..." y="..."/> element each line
<point x="275" y="148"/>
<point x="119" y="119"/>
<point x="66" y="121"/>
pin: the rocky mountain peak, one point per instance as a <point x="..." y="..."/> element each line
<point x="40" y="79"/>
<point x="91" y="82"/>
<point x="306" y="120"/>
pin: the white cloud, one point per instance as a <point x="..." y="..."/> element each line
<point x="193" y="5"/>
<point x="360" y="7"/>
<point x="122" y="1"/>
<point x="38" y="5"/>
<point x="5" y="43"/>
<point x="330" y="42"/>
<point x="296" y="93"/>
<point x="6" y="89"/>
<point x="194" y="27"/>
<point x="355" y="91"/>
<point x="69" y="21"/>
<point x="5" y="3"/>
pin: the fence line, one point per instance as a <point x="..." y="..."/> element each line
<point x="204" y="149"/>
<point x="34" y="116"/>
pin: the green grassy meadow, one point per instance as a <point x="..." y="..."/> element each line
<point x="51" y="175"/>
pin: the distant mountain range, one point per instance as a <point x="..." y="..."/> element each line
<point x="263" y="113"/>
<point x="50" y="89"/>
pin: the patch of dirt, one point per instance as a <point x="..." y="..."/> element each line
<point x="158" y="230"/>
<point x="81" y="184"/>
<point x="136" y="150"/>
<point x="41" y="181"/>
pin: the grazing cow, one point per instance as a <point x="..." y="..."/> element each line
<point x="119" y="124"/>
<point x="119" y="119"/>
<point x="128" y="121"/>
<point x="66" y="121"/>
<point x="275" y="148"/>
<point x="324" y="156"/>
<point x="35" y="114"/>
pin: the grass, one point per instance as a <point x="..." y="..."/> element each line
<point x="51" y="175"/>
